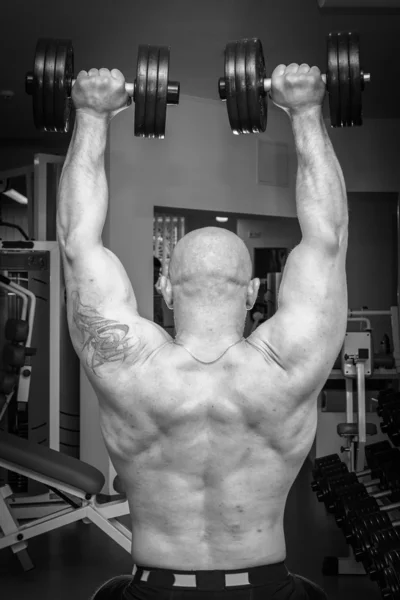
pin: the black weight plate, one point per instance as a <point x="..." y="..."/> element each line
<point x="48" y="85"/>
<point x="257" y="99"/>
<point x="344" y="79"/>
<point x="162" y="92"/>
<point x="140" y="90"/>
<point x="38" y="73"/>
<point x="241" y="86"/>
<point x="333" y="79"/>
<point x="355" y="79"/>
<point x="151" y="93"/>
<point x="62" y="88"/>
<point x="230" y="81"/>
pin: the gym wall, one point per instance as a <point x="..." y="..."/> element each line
<point x="210" y="169"/>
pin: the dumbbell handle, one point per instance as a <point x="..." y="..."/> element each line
<point x="268" y="84"/>
<point x="172" y="92"/>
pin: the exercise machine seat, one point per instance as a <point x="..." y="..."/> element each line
<point x="50" y="463"/>
<point x="344" y="429"/>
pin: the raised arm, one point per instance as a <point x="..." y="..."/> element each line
<point x="105" y="327"/>
<point x="306" y="333"/>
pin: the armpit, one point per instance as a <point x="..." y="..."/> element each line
<point x="102" y="342"/>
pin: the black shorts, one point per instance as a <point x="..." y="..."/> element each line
<point x="270" y="582"/>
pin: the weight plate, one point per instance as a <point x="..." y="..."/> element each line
<point x="48" y="85"/>
<point x="162" y="93"/>
<point x="257" y="99"/>
<point x="356" y="81"/>
<point x="344" y="79"/>
<point x="64" y="69"/>
<point x="333" y="80"/>
<point x="38" y="73"/>
<point x="230" y="81"/>
<point x="151" y="93"/>
<point x="241" y="86"/>
<point x="140" y="90"/>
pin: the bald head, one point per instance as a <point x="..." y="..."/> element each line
<point x="210" y="263"/>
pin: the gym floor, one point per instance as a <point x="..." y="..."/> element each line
<point x="73" y="561"/>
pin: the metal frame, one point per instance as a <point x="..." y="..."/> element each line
<point x="40" y="191"/>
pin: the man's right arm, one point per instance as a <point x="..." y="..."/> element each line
<point x="306" y="333"/>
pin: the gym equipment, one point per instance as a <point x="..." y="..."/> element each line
<point x="348" y="496"/>
<point x="66" y="477"/>
<point x="352" y="507"/>
<point x="390" y="581"/>
<point x="377" y="455"/>
<point x="245" y="86"/>
<point x="16" y="330"/>
<point x="7" y="382"/>
<point x="387" y="398"/>
<point x="367" y="531"/>
<point x="51" y="81"/>
<point x="14" y="356"/>
<point x="330" y="487"/>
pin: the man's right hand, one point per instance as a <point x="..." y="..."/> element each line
<point x="297" y="89"/>
<point x="100" y="93"/>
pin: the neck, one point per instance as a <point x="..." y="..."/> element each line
<point x="202" y="330"/>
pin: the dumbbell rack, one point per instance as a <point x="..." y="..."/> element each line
<point x="357" y="363"/>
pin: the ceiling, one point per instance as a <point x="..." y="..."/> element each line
<point x="107" y="34"/>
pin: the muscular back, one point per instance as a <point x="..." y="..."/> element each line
<point x="207" y="454"/>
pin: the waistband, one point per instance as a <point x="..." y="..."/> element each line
<point x="211" y="580"/>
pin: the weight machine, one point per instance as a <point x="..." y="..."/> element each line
<point x="43" y="406"/>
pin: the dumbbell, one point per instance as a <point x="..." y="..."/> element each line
<point x="348" y="493"/>
<point x="391" y="422"/>
<point x="51" y="81"/>
<point x="334" y="470"/>
<point x="365" y="532"/>
<point x="383" y="554"/>
<point x="326" y="461"/>
<point x="358" y="503"/>
<point x="377" y="455"/>
<point x="245" y="86"/>
<point x="388" y="399"/>
<point x="348" y="496"/>
<point x="390" y="581"/>
<point x="329" y="488"/>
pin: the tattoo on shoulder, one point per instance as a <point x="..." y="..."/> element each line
<point x="106" y="342"/>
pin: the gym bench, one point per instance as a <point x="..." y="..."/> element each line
<point x="75" y="482"/>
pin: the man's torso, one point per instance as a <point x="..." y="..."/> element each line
<point x="207" y="454"/>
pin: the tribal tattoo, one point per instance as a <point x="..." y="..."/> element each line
<point x="105" y="341"/>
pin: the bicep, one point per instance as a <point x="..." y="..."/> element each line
<point x="307" y="332"/>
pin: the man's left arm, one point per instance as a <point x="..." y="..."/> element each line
<point x="105" y="327"/>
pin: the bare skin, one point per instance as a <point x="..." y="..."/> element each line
<point x="208" y="431"/>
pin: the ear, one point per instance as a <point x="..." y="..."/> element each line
<point x="166" y="290"/>
<point x="252" y="293"/>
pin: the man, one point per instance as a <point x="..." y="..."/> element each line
<point x="208" y="431"/>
